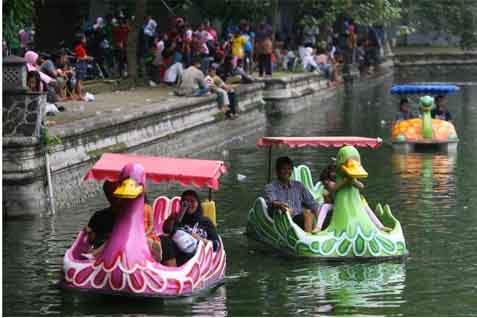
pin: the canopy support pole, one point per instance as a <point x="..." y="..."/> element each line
<point x="210" y="194"/>
<point x="269" y="164"/>
<point x="51" y="197"/>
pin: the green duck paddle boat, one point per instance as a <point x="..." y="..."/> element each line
<point x="354" y="231"/>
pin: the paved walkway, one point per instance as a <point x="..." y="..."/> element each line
<point x="119" y="101"/>
<point x="111" y="102"/>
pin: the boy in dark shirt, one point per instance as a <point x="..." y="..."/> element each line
<point x="101" y="224"/>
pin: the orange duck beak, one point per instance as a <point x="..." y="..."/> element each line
<point x="129" y="189"/>
<point x="354" y="169"/>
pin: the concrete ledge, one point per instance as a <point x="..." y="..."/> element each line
<point x="289" y="94"/>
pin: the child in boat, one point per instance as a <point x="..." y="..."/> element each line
<point x="440" y="111"/>
<point x="328" y="179"/>
<point x="404" y="112"/>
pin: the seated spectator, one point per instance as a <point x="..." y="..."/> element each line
<point x="173" y="73"/>
<point x="239" y="72"/>
<point x="225" y="69"/>
<point x="66" y="71"/>
<point x="309" y="62"/>
<point x="56" y="89"/>
<point x="192" y="83"/>
<point x="289" y="60"/>
<point x="324" y="64"/>
<point x="32" y="57"/>
<point x="225" y="93"/>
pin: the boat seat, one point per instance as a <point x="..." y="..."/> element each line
<point x="162" y="208"/>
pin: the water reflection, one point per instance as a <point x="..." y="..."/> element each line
<point x="344" y="286"/>
<point x="425" y="177"/>
<point x="210" y="303"/>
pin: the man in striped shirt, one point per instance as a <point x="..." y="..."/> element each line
<point x="291" y="196"/>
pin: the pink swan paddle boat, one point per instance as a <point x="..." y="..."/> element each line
<point x="125" y="265"/>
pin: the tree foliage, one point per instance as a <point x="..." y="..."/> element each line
<point x="364" y="12"/>
<point x="16" y="14"/>
<point x="456" y="17"/>
<point x="233" y="10"/>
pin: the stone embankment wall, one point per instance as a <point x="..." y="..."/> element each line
<point x="420" y="66"/>
<point x="291" y="94"/>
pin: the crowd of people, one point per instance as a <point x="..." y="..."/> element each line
<point x="196" y="60"/>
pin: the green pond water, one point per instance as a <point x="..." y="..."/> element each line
<point x="433" y="195"/>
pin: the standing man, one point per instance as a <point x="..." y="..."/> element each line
<point x="264" y="46"/>
<point x="291" y="196"/>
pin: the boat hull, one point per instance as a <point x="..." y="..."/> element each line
<point x="432" y="145"/>
<point x="281" y="233"/>
<point x="205" y="270"/>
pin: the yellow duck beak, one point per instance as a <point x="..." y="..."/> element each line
<point x="354" y="169"/>
<point x="129" y="189"/>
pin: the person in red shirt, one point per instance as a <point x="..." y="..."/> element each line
<point x="82" y="60"/>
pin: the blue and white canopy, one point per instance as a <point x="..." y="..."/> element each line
<point x="424" y="89"/>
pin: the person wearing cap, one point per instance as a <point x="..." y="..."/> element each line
<point x="440" y="111"/>
<point x="404" y="113"/>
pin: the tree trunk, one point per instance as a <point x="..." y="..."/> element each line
<point x="133" y="38"/>
<point x="275" y="13"/>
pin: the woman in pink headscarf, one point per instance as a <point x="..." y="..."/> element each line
<point x="31" y="57"/>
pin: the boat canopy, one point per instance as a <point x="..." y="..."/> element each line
<point x="186" y="172"/>
<point x="424" y="89"/>
<point x="299" y="142"/>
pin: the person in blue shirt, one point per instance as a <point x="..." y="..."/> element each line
<point x="289" y="196"/>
